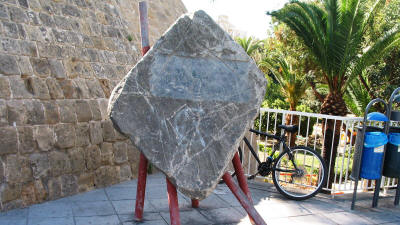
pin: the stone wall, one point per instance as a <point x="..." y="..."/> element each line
<point x="59" y="61"/>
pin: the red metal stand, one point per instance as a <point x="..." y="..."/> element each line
<point x="173" y="204"/>
<point x="195" y="203"/>
<point x="141" y="188"/>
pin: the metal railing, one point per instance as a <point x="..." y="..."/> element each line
<point x="311" y="133"/>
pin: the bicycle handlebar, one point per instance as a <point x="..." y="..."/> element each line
<point x="266" y="134"/>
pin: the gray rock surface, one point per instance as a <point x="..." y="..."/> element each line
<point x="187" y="104"/>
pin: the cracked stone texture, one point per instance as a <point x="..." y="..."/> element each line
<point x="187" y="104"/>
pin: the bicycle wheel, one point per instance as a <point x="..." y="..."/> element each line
<point x="305" y="181"/>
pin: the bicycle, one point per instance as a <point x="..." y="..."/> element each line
<point x="298" y="172"/>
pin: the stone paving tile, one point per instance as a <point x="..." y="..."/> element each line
<point x="147" y="216"/>
<point x="99" y="208"/>
<point x="51" y="221"/>
<point x="15" y="213"/>
<point x="189" y="218"/>
<point x="212" y="202"/>
<point x="121" y="193"/>
<point x="51" y="209"/>
<point x="310" y="220"/>
<point x="161" y="205"/>
<point x="90" y="196"/>
<point x="12" y="221"/>
<point x="317" y="206"/>
<point x="97" y="220"/>
<point x="347" y="218"/>
<point x="128" y="206"/>
<point x="223" y="215"/>
<point x="154" y="222"/>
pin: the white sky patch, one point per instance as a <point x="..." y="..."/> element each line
<point x="248" y="16"/>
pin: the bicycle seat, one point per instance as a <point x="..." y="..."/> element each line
<point x="289" y="128"/>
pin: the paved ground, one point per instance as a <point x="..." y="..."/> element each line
<point x="114" y="206"/>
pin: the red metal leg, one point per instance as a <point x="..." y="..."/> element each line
<point x="240" y="176"/>
<point x="195" y="203"/>
<point x="242" y="198"/>
<point x="173" y="204"/>
<point x="141" y="188"/>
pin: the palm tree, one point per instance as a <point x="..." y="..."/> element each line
<point x="334" y="31"/>
<point x="293" y="85"/>
<point x="249" y="44"/>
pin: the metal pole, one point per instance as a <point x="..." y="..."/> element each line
<point x="141" y="188"/>
<point x="396" y="198"/>
<point x="240" y="176"/>
<point x="173" y="204"/>
<point x="195" y="203"/>
<point x="242" y="198"/>
<point x="144" y="27"/>
<point x="141" y="185"/>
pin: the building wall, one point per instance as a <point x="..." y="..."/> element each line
<point x="59" y="61"/>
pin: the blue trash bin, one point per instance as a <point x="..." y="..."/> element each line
<point x="371" y="162"/>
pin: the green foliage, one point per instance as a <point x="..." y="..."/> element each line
<point x="356" y="98"/>
<point x="250" y="45"/>
<point x="334" y="31"/>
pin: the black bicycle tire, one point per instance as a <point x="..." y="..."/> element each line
<point x="313" y="193"/>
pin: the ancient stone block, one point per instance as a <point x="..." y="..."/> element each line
<point x="25" y="66"/>
<point x="21" y="31"/>
<point x="82" y="134"/>
<point x="108" y="130"/>
<point x="40" y="165"/>
<point x="51" y="112"/>
<point x="95" y="90"/>
<point x="11" y="192"/>
<point x="26" y="141"/>
<point x="55" y="90"/>
<point x="92" y="157"/>
<point x="67" y="111"/>
<point x="28" y="48"/>
<point x="4" y="88"/>
<point x="18" y="169"/>
<point x="9" y="45"/>
<point x="107" y="153"/>
<point x="17" y="15"/>
<point x="49" y="50"/>
<point x="83" y="112"/>
<point x="41" y="67"/>
<point x="10" y="29"/>
<point x="34" y="112"/>
<point x="95" y="108"/>
<point x="68" y="89"/>
<point x="23" y="3"/>
<point x="47" y="20"/>
<point x="19" y="88"/>
<point x="65" y="135"/>
<point x="33" y="18"/>
<point x="44" y="137"/>
<point x="106" y="86"/>
<point x="70" y="10"/>
<point x="106" y="175"/>
<point x="81" y="88"/>
<point x="2" y="172"/>
<point x="16" y="112"/>
<point x="96" y="134"/>
<point x="54" y="187"/>
<point x="3" y="114"/>
<point x="8" y="140"/>
<point x="103" y="108"/>
<point x="187" y="106"/>
<point x="77" y="158"/>
<point x="69" y="185"/>
<point x="57" y="69"/>
<point x="38" y="88"/>
<point x="3" y="11"/>
<point x="62" y="22"/>
<point x="59" y="163"/>
<point x="8" y="65"/>
<point x="120" y="152"/>
<point x="125" y="172"/>
<point x="86" y="181"/>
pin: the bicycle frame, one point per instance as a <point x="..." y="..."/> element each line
<point x="281" y="140"/>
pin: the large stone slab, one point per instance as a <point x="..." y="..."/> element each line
<point x="187" y="104"/>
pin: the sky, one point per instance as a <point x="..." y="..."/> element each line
<point x="248" y="16"/>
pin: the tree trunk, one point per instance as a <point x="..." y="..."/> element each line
<point x="333" y="105"/>
<point x="292" y="120"/>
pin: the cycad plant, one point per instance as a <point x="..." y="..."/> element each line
<point x="334" y="31"/>
<point x="249" y="44"/>
<point x="293" y="85"/>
